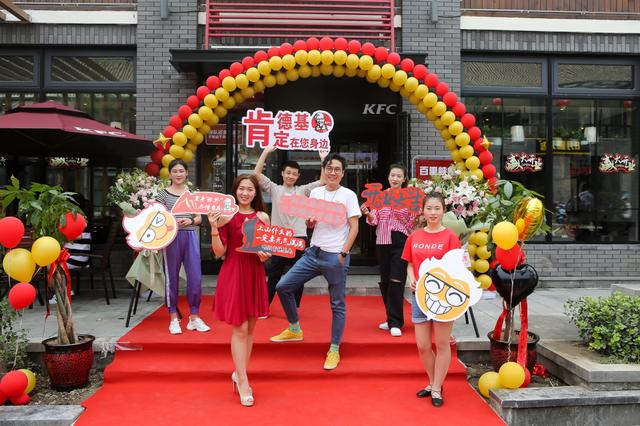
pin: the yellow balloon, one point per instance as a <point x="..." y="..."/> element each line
<point x="242" y="82"/>
<point x="301" y="57"/>
<point x="448" y="118"/>
<point x="281" y="78"/>
<point x="450" y="144"/>
<point x="489" y="380"/>
<point x="326" y="57"/>
<point x="198" y="139"/>
<point x="288" y="62"/>
<point x="481" y="238"/>
<point x="31" y="378"/>
<point x="400" y="77"/>
<point x="189" y="131"/>
<point x="483" y="252"/>
<point x="164" y="173"/>
<point x="229" y="103"/>
<point x="45" y="250"/>
<point x="248" y="93"/>
<point x="191" y="147"/>
<point x="350" y="72"/>
<point x="429" y="100"/>
<point x="415" y="101"/>
<point x="438" y="124"/>
<point x="481" y="265"/>
<point x="275" y="62"/>
<point x="466" y="151"/>
<point x="511" y="375"/>
<point x="205" y="114"/>
<point x="166" y="159"/>
<point x="455" y="155"/>
<point x="204" y="129"/>
<point x="463" y="139"/>
<point x="19" y="264"/>
<point x="362" y="73"/>
<point x="383" y="82"/>
<point x="214" y="120"/>
<point x="338" y="71"/>
<point x="220" y="111"/>
<point x="430" y="115"/>
<point x="439" y="108"/>
<point x="422" y="91"/>
<point x="187" y="156"/>
<point x="472" y="162"/>
<point x="210" y="101"/>
<point x="531" y="211"/>
<point x="259" y="86"/>
<point x="340" y="57"/>
<point x="264" y="68"/>
<point x="353" y="61"/>
<point x="325" y="69"/>
<point x="460" y="166"/>
<point x="394" y="87"/>
<point x="314" y="57"/>
<point x="304" y="71"/>
<point x="366" y="62"/>
<point x="388" y="71"/>
<point x="477" y="173"/>
<point x="455" y="128"/>
<point x="229" y="83"/>
<point x="444" y="133"/>
<point x="179" y="138"/>
<point x="222" y="94"/>
<point x="269" y="80"/>
<point x="411" y="84"/>
<point x="472" y="249"/>
<point x="505" y="235"/>
<point x="292" y="75"/>
<point x="484" y="280"/>
<point x="176" y="151"/>
<point x="374" y="72"/>
<point x="238" y="98"/>
<point x="253" y="74"/>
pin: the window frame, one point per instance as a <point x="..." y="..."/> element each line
<point x="24" y="86"/>
<point x="591" y="92"/>
<point x="506" y="90"/>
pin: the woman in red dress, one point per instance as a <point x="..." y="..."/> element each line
<point x="241" y="292"/>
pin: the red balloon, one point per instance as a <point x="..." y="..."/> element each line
<point x="20" y="400"/>
<point x="193" y="102"/>
<point x="485" y="157"/>
<point x="449" y="98"/>
<point x="21" y="295"/>
<point x="176" y="121"/>
<point x="381" y="53"/>
<point x="236" y="68"/>
<point x="468" y="121"/>
<point x="459" y="109"/>
<point x="442" y="88"/>
<point x="14" y="383"/>
<point x="11" y="231"/>
<point x="493" y="264"/>
<point x="326" y="43"/>
<point x="354" y="46"/>
<point x="260" y="56"/>
<point x="393" y="58"/>
<point x="184" y="112"/>
<point x="299" y="45"/>
<point x="511" y="258"/>
<point x="273" y="51"/>
<point x="407" y="65"/>
<point x="156" y="156"/>
<point x="496" y="101"/>
<point x="312" y="43"/>
<point x="474" y="133"/>
<point x="73" y="226"/>
<point x="489" y="171"/>
<point x="152" y="169"/>
<point x="431" y="80"/>
<point x="213" y="82"/>
<point x="224" y="73"/>
<point x="368" y="49"/>
<point x="341" y="43"/>
<point x="202" y="92"/>
<point x="247" y="62"/>
<point x="420" y="71"/>
<point x="527" y="378"/>
<point x="3" y="398"/>
<point x="285" y="49"/>
<point x="169" y="131"/>
<point x="477" y="145"/>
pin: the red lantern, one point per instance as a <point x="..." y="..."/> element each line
<point x="184" y="112"/>
<point x="368" y="49"/>
<point x="193" y="102"/>
<point x="152" y="169"/>
<point x="74" y="226"/>
<point x="511" y="258"/>
<point x="224" y="73"/>
<point x="563" y="103"/>
<point x="299" y="45"/>
<point x="459" y="109"/>
<point x="247" y="62"/>
<point x="468" y="121"/>
<point x="11" y="231"/>
<point x="273" y="51"/>
<point x="489" y="171"/>
<point x="431" y="80"/>
<point x="169" y="131"/>
<point x="14" y="383"/>
<point x="21" y="399"/>
<point x="341" y="43"/>
<point x="449" y="98"/>
<point x="474" y="133"/>
<point x="407" y="65"/>
<point x="442" y="88"/>
<point x="21" y="295"/>
<point x="393" y="58"/>
<point x="326" y="43"/>
<point x="176" y="121"/>
<point x="628" y="104"/>
<point x="496" y="101"/>
<point x="354" y="46"/>
<point x="285" y="49"/>
<point x="313" y="43"/>
<point x="236" y="68"/>
<point x="381" y="53"/>
<point x="156" y="156"/>
<point x="260" y="56"/>
<point x="419" y="71"/>
<point x="213" y="83"/>
<point x="202" y="92"/>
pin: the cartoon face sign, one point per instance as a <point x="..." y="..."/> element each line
<point x="446" y="288"/>
<point x="152" y="229"/>
<point x="321" y="122"/>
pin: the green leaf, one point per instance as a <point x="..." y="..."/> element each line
<point x="36" y="205"/>
<point x="508" y="189"/>
<point x="507" y="203"/>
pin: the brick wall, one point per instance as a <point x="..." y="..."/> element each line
<point x="73" y="35"/>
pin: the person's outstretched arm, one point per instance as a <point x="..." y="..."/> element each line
<point x="263" y="159"/>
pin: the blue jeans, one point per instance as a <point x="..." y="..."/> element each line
<point x="317" y="262"/>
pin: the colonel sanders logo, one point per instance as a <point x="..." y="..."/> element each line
<point x="321" y="122"/>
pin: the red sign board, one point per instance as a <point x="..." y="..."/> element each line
<point x="300" y="206"/>
<point x="204" y="203"/>
<point x="218" y="135"/>
<point x="427" y="168"/>
<point x="397" y="198"/>
<point x="276" y="240"/>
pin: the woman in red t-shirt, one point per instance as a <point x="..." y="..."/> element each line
<point x="434" y="240"/>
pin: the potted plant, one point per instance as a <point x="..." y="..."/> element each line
<point x="50" y="211"/>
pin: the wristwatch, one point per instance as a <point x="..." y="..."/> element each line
<point x="343" y="253"/>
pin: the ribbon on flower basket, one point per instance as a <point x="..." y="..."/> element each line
<point x="524" y="333"/>
<point x="61" y="262"/>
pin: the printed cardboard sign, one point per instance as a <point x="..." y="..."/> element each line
<point x="616" y="163"/>
<point x="446" y="288"/>
<point x="204" y="203"/>
<point x="151" y="229"/>
<point x="396" y="198"/>
<point x="330" y="212"/>
<point x="299" y="130"/>
<point x="523" y="162"/>
<point x="427" y="168"/>
<point x="276" y="240"/>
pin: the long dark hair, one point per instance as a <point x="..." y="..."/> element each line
<point x="438" y="196"/>
<point x="257" y="203"/>
<point x="404" y="172"/>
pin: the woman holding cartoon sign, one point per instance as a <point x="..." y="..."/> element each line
<point x="393" y="226"/>
<point x="184" y="250"/>
<point x="241" y="292"/>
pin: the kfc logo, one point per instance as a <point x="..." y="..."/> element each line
<point x="322" y="122"/>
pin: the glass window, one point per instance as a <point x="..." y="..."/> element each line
<point x="502" y="74"/>
<point x="10" y="100"/>
<point x="14" y="68"/>
<point x="595" y="76"/>
<point x="92" y="68"/>
<point x="115" y="109"/>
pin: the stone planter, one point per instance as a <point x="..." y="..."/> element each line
<point x="499" y="350"/>
<point x="69" y="365"/>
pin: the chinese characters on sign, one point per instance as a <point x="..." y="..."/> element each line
<point x="523" y="162"/>
<point x="204" y="203"/>
<point x="402" y="198"/>
<point x="616" y="163"/>
<point x="299" y="130"/>
<point x="427" y="168"/>
<point x="300" y="206"/>
<point x="276" y="240"/>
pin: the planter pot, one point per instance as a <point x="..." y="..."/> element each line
<point x="69" y="365"/>
<point x="499" y="350"/>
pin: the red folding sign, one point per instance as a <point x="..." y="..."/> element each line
<point x="276" y="240"/>
<point x="397" y="198"/>
<point x="427" y="168"/>
<point x="204" y="203"/>
<point x="300" y="206"/>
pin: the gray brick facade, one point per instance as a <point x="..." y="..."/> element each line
<point x="72" y="35"/>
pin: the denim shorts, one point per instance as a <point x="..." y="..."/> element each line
<point x="417" y="316"/>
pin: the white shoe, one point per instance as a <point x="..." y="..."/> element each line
<point x="197" y="324"/>
<point x="383" y="326"/>
<point x="53" y="300"/>
<point x="395" y="332"/>
<point x="174" y="326"/>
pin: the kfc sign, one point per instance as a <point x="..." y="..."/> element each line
<point x="100" y="132"/>
<point x="425" y="169"/>
<point x="379" y="109"/>
<point x="288" y="130"/>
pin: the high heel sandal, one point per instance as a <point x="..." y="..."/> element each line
<point x="246" y="401"/>
<point x="436" y="398"/>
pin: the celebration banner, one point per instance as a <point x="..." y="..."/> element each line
<point x="303" y="207"/>
<point x="151" y="229"/>
<point x="523" y="162"/>
<point x="276" y="240"/>
<point x="288" y="130"/>
<point x="410" y="198"/>
<point x="204" y="203"/>
<point x="616" y="163"/>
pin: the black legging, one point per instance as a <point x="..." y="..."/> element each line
<point x="393" y="275"/>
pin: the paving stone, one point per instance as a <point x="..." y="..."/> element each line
<point x="36" y="415"/>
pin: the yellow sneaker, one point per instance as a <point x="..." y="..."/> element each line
<point x="333" y="358"/>
<point x="287" y="336"/>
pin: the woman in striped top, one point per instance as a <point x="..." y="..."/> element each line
<point x="393" y="228"/>
<point x="183" y="250"/>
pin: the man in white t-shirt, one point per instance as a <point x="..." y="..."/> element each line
<point x="290" y="173"/>
<point x="327" y="255"/>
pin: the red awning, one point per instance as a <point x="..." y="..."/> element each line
<point x="50" y="129"/>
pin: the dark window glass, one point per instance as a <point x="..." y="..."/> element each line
<point x="9" y="100"/>
<point x="115" y="109"/>
<point x="92" y="68"/>
<point x="502" y="74"/>
<point x="595" y="76"/>
<point x="17" y="68"/>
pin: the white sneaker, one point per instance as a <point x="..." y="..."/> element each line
<point x="197" y="324"/>
<point x="383" y="326"/>
<point x="395" y="332"/>
<point x="174" y="326"/>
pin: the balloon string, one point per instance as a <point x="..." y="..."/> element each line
<point x="15" y="358"/>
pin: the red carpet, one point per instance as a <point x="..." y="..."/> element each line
<point x="185" y="379"/>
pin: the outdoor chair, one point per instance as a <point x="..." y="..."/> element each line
<point x="100" y="263"/>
